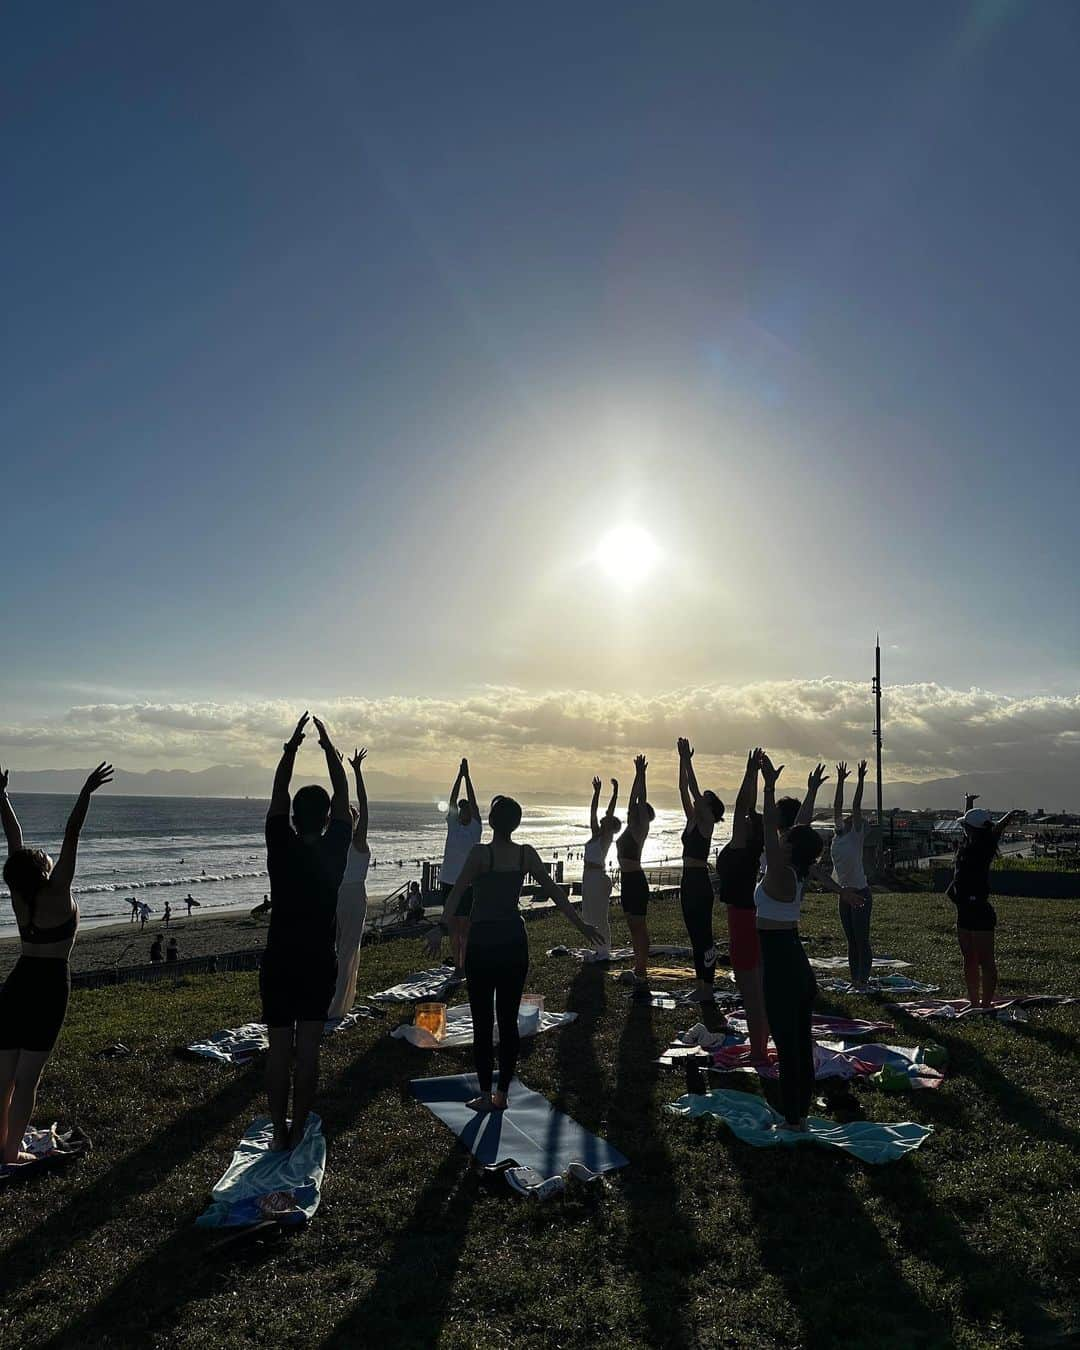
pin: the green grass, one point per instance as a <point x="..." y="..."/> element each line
<point x="701" y="1242"/>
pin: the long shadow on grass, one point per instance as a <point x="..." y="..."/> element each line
<point x="994" y="1290"/>
<point x="816" y="1238"/>
<point x="406" y="1306"/>
<point x="133" y="1174"/>
<point x="1015" y="1104"/>
<point x="663" y="1246"/>
<point x="581" y="1079"/>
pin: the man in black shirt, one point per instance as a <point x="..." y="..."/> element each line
<point x="306" y="861"/>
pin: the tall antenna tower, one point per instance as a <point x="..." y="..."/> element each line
<point x="877" y="724"/>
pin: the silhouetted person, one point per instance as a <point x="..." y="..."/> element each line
<point x="157" y="951"/>
<point x="352" y="898"/>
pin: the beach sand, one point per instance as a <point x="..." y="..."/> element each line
<point x="98" y="947"/>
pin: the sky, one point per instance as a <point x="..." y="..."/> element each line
<point x="532" y="382"/>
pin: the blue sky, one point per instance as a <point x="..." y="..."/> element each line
<point x="339" y="336"/>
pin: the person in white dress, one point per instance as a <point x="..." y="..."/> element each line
<point x="352" y="897"/>
<point x="463" y="831"/>
<point x="595" y="882"/>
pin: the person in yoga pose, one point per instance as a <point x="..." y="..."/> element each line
<point x="703" y="811"/>
<point x="633" y="886"/>
<point x="969" y="891"/>
<point x="849" y="872"/>
<point x="595" y="882"/>
<point x="787" y="979"/>
<point x="497" y="955"/>
<point x="463" y="831"/>
<point x="737" y="872"/>
<point x="34" y="998"/>
<point x="306" y="861"/>
<point x="352" y="897"/>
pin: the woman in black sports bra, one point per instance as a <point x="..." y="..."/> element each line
<point x="497" y="955"/>
<point x="633" y="886"/>
<point x="703" y="811"/>
<point x="34" y="998"/>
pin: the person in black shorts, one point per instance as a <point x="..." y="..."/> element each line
<point x="306" y="862"/>
<point x="969" y="891"/>
<point x="633" y="886"/>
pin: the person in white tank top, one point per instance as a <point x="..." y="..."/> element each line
<point x="595" y="882"/>
<point x="352" y="898"/>
<point x="849" y="872"/>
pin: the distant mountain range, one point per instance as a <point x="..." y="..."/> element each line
<point x="997" y="792"/>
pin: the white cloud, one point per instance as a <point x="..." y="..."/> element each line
<point x="557" y="736"/>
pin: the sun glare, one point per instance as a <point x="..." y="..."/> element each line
<point x="628" y="553"/>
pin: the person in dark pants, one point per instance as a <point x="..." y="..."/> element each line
<point x="787" y="978"/>
<point x="172" y="951"/>
<point x="306" y="863"/>
<point x="157" y="951"/>
<point x="703" y="811"/>
<point x="497" y="956"/>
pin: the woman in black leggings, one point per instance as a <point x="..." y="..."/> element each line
<point x="497" y="955"/>
<point x="703" y="811"/>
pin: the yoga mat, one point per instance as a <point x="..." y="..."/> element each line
<point x="824" y="1025"/>
<point x="530" y="1132"/>
<point x="240" y="1045"/>
<point x="749" y="1118"/>
<point x="616" y="953"/>
<point x="293" y="1177"/>
<point x="459" y="1028"/>
<point x="880" y="984"/>
<point x="879" y="963"/>
<point x="422" y="986"/>
<point x="948" y="1009"/>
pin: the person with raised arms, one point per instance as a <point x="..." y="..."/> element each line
<point x="703" y="810"/>
<point x="497" y="955"/>
<point x="34" y="997"/>
<point x="352" y="897"/>
<point x="463" y="831"/>
<point x="737" y="867"/>
<point x="633" y="885"/>
<point x="306" y="861"/>
<point x="787" y="980"/>
<point x="849" y="871"/>
<point x="595" y="882"/>
<point x="969" y="891"/>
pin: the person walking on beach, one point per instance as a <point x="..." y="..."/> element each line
<point x="497" y="955"/>
<point x="595" y="882"/>
<point x="463" y="831"/>
<point x="848" y="871"/>
<point x="134" y="903"/>
<point x="144" y="914"/>
<point x="969" y="891"/>
<point x="737" y="873"/>
<point x="633" y="885"/>
<point x="703" y="811"/>
<point x="157" y="951"/>
<point x="352" y="897"/>
<point x="34" y="997"/>
<point x="305" y="859"/>
<point x="190" y="902"/>
<point x="166" y="918"/>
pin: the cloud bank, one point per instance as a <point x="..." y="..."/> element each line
<point x="557" y="737"/>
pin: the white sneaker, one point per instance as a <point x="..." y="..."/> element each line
<point x="526" y="1181"/>
<point x="577" y="1171"/>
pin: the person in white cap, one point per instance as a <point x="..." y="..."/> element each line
<point x="969" y="891"/>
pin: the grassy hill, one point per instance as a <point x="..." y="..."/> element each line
<point x="701" y="1242"/>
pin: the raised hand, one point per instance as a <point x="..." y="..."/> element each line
<point x="842" y="771"/>
<point x="596" y="785"/>
<point x="640" y="763"/>
<point x="293" y="743"/>
<point x="98" y="777"/>
<point x="862" y="769"/>
<point x="768" y="772"/>
<point x="358" y="757"/>
<point x="3" y="779"/>
<point x="324" y="735"/>
<point x="614" y="785"/>
<point x="816" y="778"/>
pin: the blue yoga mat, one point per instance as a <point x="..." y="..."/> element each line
<point x="529" y="1132"/>
<point x="749" y="1118"/>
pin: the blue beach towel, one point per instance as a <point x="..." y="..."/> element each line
<point x="749" y="1117"/>
<point x="255" y="1173"/>
<point x="529" y="1132"/>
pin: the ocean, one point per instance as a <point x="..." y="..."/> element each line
<point x="163" y="848"/>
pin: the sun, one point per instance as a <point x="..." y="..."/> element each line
<point x="627" y="554"/>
